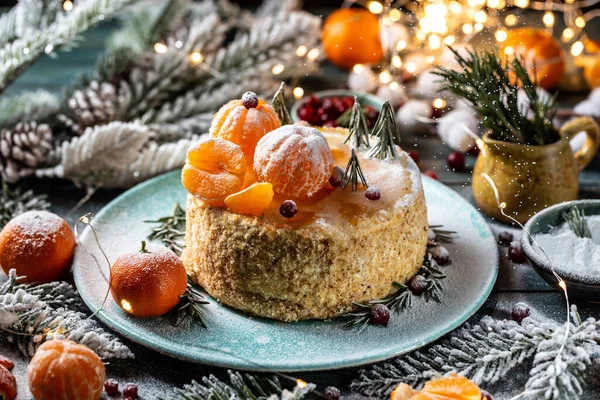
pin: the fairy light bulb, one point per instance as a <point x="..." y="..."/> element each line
<point x="480" y="16"/>
<point x="401" y="45"/>
<point x="455" y="7"/>
<point x="467" y="29"/>
<point x="449" y="40"/>
<point x="478" y="26"/>
<point x="411" y="67"/>
<point x="160" y="48"/>
<point x="126" y="305"/>
<point x="301" y="384"/>
<point x="298" y="92"/>
<point x="511" y="20"/>
<point x="375" y="7"/>
<point x="435" y="42"/>
<point x="439" y="103"/>
<point x="568" y="34"/>
<point x="68" y="5"/>
<point x="301" y="51"/>
<point x="313" y="54"/>
<point x="577" y="48"/>
<point x="277" y="69"/>
<point x="395" y="86"/>
<point x="385" y="77"/>
<point x="501" y="35"/>
<point x="580" y="22"/>
<point x="397" y="62"/>
<point x="522" y="3"/>
<point x="493" y="3"/>
<point x="196" y="57"/>
<point x="548" y="19"/>
<point x="395" y="15"/>
<point x="358" y="68"/>
<point x="509" y="50"/>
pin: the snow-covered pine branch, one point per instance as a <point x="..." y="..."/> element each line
<point x="27" y="106"/>
<point x="34" y="15"/>
<point x="278" y="8"/>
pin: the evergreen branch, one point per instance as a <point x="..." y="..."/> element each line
<point x="14" y="202"/>
<point x="190" y="306"/>
<point x="36" y="106"/>
<point x="171" y="229"/>
<point x="278" y="103"/>
<point x="358" y="128"/>
<point x="386" y="130"/>
<point x="353" y="173"/>
<point x="577" y="222"/>
<point x="8" y="26"/>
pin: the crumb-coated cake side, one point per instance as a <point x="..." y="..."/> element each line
<point x="339" y="249"/>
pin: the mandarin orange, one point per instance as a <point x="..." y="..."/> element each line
<point x="591" y="73"/>
<point x="454" y="387"/>
<point x="148" y="282"/>
<point x="65" y="370"/>
<point x="8" y="384"/>
<point x="296" y="160"/>
<point x="254" y="200"/>
<point x="403" y="392"/>
<point x="39" y="245"/>
<point x="244" y="122"/>
<point x="215" y="168"/>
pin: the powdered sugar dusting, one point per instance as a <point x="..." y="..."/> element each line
<point x="37" y="227"/>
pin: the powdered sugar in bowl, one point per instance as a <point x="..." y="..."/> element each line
<point x="572" y="250"/>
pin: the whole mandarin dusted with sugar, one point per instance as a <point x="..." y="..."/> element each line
<point x="244" y="122"/>
<point x="254" y="200"/>
<point x="65" y="370"/>
<point x="8" y="384"/>
<point x="214" y="169"/>
<point x="39" y="245"/>
<point x="296" y="160"/>
<point x="148" y="282"/>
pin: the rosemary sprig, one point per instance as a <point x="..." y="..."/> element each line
<point x="577" y="222"/>
<point x="358" y="134"/>
<point x="387" y="132"/>
<point x="402" y="298"/>
<point x="171" y="229"/>
<point x="492" y="86"/>
<point x="442" y="235"/>
<point x="190" y="306"/>
<point x="278" y="103"/>
<point x="353" y="173"/>
<point x="13" y="202"/>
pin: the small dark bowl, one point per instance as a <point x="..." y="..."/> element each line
<point x="585" y="287"/>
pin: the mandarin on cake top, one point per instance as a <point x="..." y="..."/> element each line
<point x="295" y="159"/>
<point x="244" y="122"/>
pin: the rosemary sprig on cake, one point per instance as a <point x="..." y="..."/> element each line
<point x="353" y="174"/>
<point x="171" y="229"/>
<point x="492" y="87"/>
<point x="386" y="131"/>
<point x="358" y="128"/>
<point x="279" y="106"/>
<point x="577" y="222"/>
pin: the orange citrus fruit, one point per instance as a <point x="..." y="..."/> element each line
<point x="452" y="387"/>
<point x="254" y="200"/>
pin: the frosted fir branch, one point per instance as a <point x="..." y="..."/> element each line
<point x="28" y="106"/>
<point x="34" y="15"/>
<point x="15" y="202"/>
<point x="8" y="26"/>
<point x="485" y="352"/>
<point x="278" y="8"/>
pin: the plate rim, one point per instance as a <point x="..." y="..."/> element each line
<point x="226" y="361"/>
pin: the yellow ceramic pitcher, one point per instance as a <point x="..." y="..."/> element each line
<point x="531" y="178"/>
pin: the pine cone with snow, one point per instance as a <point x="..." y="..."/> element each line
<point x="24" y="148"/>
<point x="93" y="105"/>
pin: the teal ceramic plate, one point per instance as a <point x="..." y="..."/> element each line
<point x="237" y="340"/>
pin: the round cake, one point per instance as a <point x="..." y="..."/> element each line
<point x="339" y="249"/>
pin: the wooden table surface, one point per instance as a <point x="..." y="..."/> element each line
<point x="154" y="373"/>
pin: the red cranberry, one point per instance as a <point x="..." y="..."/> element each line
<point x="337" y="175"/>
<point x="474" y="151"/>
<point x="485" y="395"/>
<point x="516" y="253"/>
<point x="313" y="101"/>
<point x="348" y="101"/>
<point x="505" y="238"/>
<point x="456" y="161"/>
<point x="130" y="391"/>
<point x="414" y="154"/>
<point x="520" y="311"/>
<point x="332" y="393"/>
<point x="380" y="315"/>
<point x="288" y="209"/>
<point x="328" y="104"/>
<point x="324" y="117"/>
<point x="111" y="387"/>
<point x="441" y="255"/>
<point x="330" y="124"/>
<point x="250" y="100"/>
<point x="372" y="193"/>
<point x="306" y="113"/>
<point x="418" y="285"/>
<point x="432" y="174"/>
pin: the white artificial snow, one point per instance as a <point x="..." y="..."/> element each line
<point x="571" y="253"/>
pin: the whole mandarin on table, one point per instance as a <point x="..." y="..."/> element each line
<point x="65" y="370"/>
<point x="296" y="160"/>
<point x="39" y="245"/>
<point x="214" y="169"/>
<point x="244" y="122"/>
<point x="148" y="282"/>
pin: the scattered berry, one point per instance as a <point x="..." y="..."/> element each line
<point x="6" y="363"/>
<point x="418" y="285"/>
<point x="111" y="387"/>
<point x="456" y="161"/>
<point x="306" y="113"/>
<point x="326" y="110"/>
<point x="516" y="253"/>
<point x="431" y="173"/>
<point x="332" y="393"/>
<point x="288" y="209"/>
<point x="380" y="315"/>
<point x="485" y="395"/>
<point x="372" y="193"/>
<point x="505" y="238"/>
<point x="414" y="154"/>
<point x="250" y="100"/>
<point x="337" y="175"/>
<point x="130" y="391"/>
<point x="441" y="255"/>
<point x="520" y="311"/>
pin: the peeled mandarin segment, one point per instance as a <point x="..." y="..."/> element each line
<point x="254" y="200"/>
<point x="454" y="387"/>
<point x="428" y="396"/>
<point x="295" y="159"/>
<point x="403" y="392"/>
<point x="215" y="169"/>
<point x="250" y="178"/>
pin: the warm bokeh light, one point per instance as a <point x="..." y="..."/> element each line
<point x="411" y="67"/>
<point x="511" y="20"/>
<point x="298" y="92"/>
<point x="568" y="34"/>
<point x="126" y="305"/>
<point x="522" y="3"/>
<point x="358" y="68"/>
<point x="375" y="7"/>
<point x="313" y="54"/>
<point x="196" y="57"/>
<point x="277" y="69"/>
<point x="397" y="62"/>
<point x="401" y="45"/>
<point x="548" y="18"/>
<point x="68" y="5"/>
<point x="435" y="42"/>
<point x="580" y="22"/>
<point x="160" y="48"/>
<point x="439" y="103"/>
<point x="395" y="15"/>
<point x="501" y="35"/>
<point x="577" y="48"/>
<point x="301" y="51"/>
<point x="385" y="77"/>
<point x="467" y="29"/>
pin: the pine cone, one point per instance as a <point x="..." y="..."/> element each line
<point x="91" y="106"/>
<point x="23" y="149"/>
